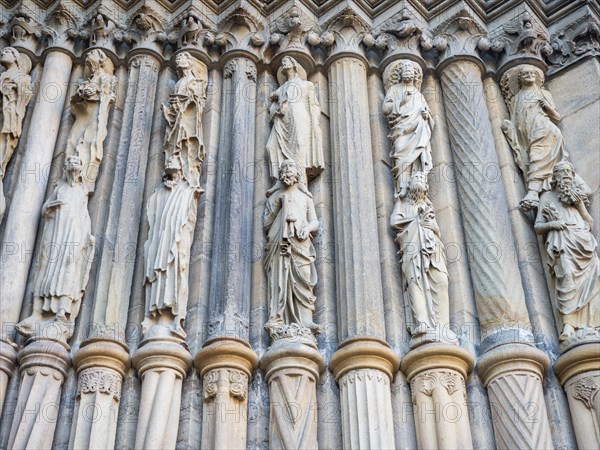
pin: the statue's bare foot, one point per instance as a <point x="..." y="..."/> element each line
<point x="530" y="202"/>
<point x="567" y="331"/>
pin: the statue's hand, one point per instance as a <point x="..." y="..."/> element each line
<point x="558" y="225"/>
<point x="303" y="233"/>
<point x="544" y="104"/>
<point x="291" y="218"/>
<point x="506" y="126"/>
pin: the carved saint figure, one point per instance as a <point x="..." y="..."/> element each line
<point x="532" y="133"/>
<point x="184" y="117"/>
<point x="289" y="220"/>
<point x="410" y="123"/>
<point x="423" y="261"/>
<point x="171" y="212"/>
<point x="563" y="219"/>
<point x="296" y="132"/>
<point x="90" y="106"/>
<point x="15" y="94"/>
<point x="66" y="254"/>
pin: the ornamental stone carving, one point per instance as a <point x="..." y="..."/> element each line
<point x="565" y="223"/>
<point x="90" y="106"/>
<point x="532" y="130"/>
<point x="102" y="380"/>
<point x="64" y="260"/>
<point x="574" y="42"/>
<point x="296" y="132"/>
<point x="171" y="209"/>
<point x="15" y="94"/>
<point x="289" y="221"/>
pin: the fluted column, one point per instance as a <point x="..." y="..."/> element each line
<point x="512" y="368"/>
<point x="105" y="351"/>
<point x="364" y="362"/>
<point x="227" y="352"/>
<point x="21" y="222"/>
<point x="43" y="365"/>
<point x="579" y="372"/>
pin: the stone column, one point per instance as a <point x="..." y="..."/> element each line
<point x="21" y="224"/>
<point x="363" y="363"/>
<point x="292" y="370"/>
<point x="105" y="352"/>
<point x="437" y="374"/>
<point x="579" y="372"/>
<point x="512" y="368"/>
<point x="227" y="359"/>
<point x="43" y="365"/>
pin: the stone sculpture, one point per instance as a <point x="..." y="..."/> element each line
<point x="532" y="133"/>
<point x="296" y="132"/>
<point x="15" y="94"/>
<point x="65" y="258"/>
<point x="564" y="221"/>
<point x="410" y="123"/>
<point x="171" y="214"/>
<point x="184" y="117"/>
<point x="423" y="263"/>
<point x="90" y="106"/>
<point x="171" y="209"/>
<point x="289" y="220"/>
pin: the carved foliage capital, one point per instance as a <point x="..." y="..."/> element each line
<point x="585" y="389"/>
<point x="102" y="380"/>
<point x="232" y="381"/>
<point x="460" y="37"/>
<point x="426" y="382"/>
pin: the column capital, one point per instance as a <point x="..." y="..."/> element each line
<point x="345" y="35"/>
<point x="364" y="353"/>
<point x="437" y="356"/>
<point x="287" y="354"/>
<point x="583" y="358"/>
<point x="50" y="353"/>
<point x="510" y="358"/>
<point x="460" y="38"/>
<point x="226" y="352"/>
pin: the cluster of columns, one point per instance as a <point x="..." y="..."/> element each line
<point x="512" y="369"/>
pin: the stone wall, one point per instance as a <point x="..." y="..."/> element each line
<point x="413" y="300"/>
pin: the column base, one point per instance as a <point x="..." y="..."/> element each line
<point x="43" y="367"/>
<point x="101" y="364"/>
<point x="8" y="359"/>
<point x="437" y="374"/>
<point x="364" y="368"/>
<point x="513" y="374"/>
<point x="578" y="370"/>
<point x="162" y="364"/>
<point x="225" y="365"/>
<point x="292" y="371"/>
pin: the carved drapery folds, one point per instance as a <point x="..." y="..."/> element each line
<point x="15" y="94"/>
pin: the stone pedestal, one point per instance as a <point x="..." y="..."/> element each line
<point x="364" y="369"/>
<point x="162" y="364"/>
<point x="101" y="364"/>
<point x="43" y="365"/>
<point x="579" y="372"/>
<point x="513" y="375"/>
<point x="225" y="365"/>
<point x="437" y="374"/>
<point x="292" y="369"/>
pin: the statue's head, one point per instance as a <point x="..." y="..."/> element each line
<point x="418" y="186"/>
<point x="173" y="171"/>
<point x="97" y="60"/>
<point x="289" y="172"/>
<point x="9" y="56"/>
<point x="73" y="168"/>
<point x="183" y="60"/>
<point x="403" y="71"/>
<point x="289" y="65"/>
<point x="562" y="172"/>
<point x="530" y="76"/>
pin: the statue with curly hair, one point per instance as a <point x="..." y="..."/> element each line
<point x="90" y="105"/>
<point x="532" y="133"/>
<point x="410" y="123"/>
<point x="15" y="94"/>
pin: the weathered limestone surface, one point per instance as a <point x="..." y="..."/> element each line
<point x="323" y="224"/>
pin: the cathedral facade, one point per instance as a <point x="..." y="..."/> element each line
<point x="299" y="224"/>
